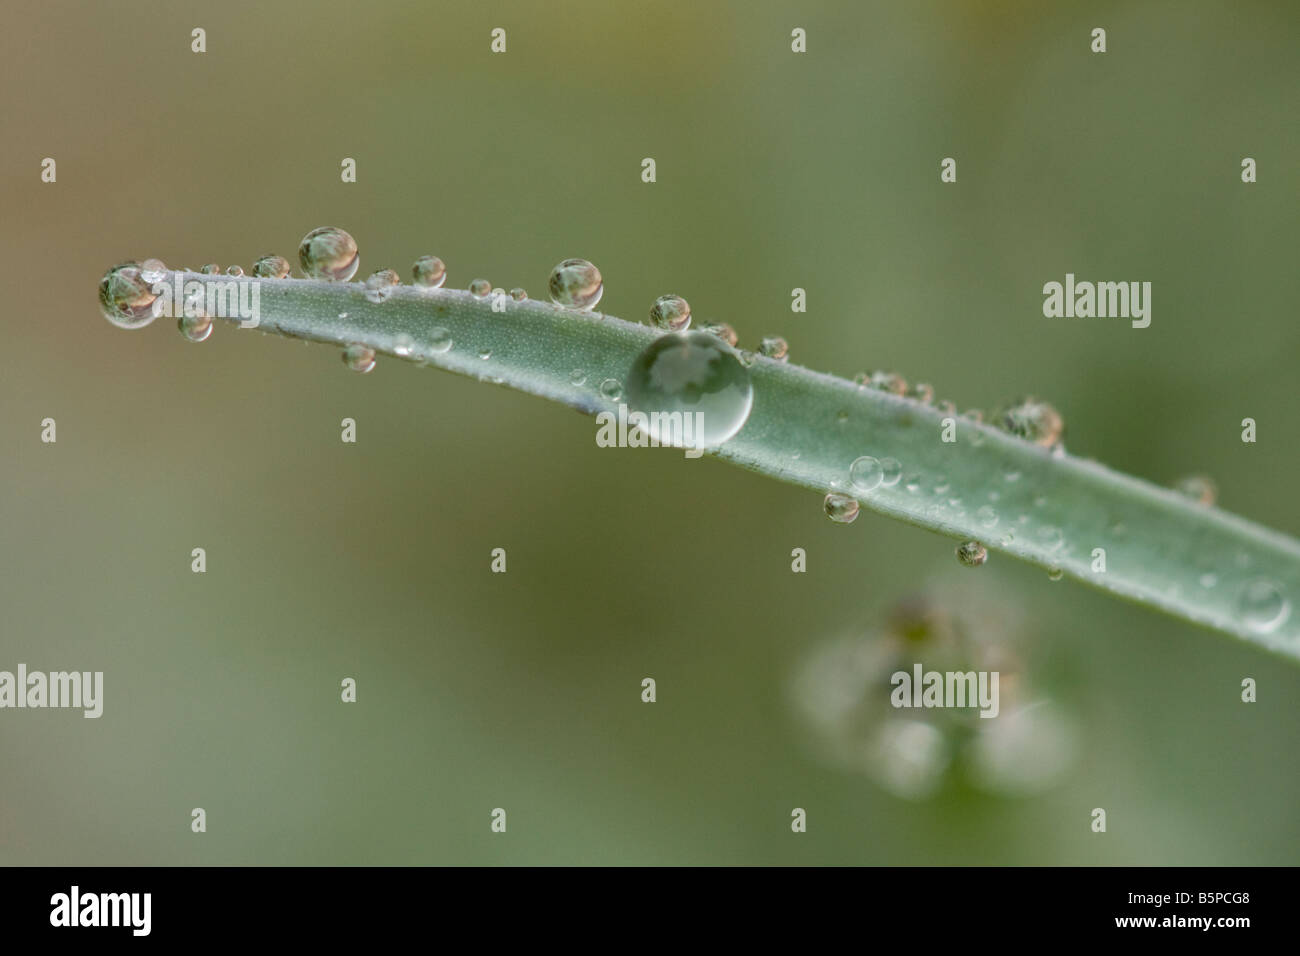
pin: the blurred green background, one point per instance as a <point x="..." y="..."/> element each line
<point x="522" y="690"/>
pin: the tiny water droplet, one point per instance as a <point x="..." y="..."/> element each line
<point x="972" y="554"/>
<point x="723" y="331"/>
<point x="329" y="253"/>
<point x="485" y="354"/>
<point x="890" y="382"/>
<point x="576" y="284"/>
<point x="774" y="347"/>
<point x="359" y="358"/>
<point x="235" y="271"/>
<point x="480" y="288"/>
<point x="439" y="340"/>
<point x="153" y="270"/>
<point x="403" y="345"/>
<point x="922" y="392"/>
<point x="842" y="416"/>
<point x="518" y="294"/>
<point x="841" y="508"/>
<point x="211" y="269"/>
<point x="380" y="284"/>
<point x="986" y="515"/>
<point x="1055" y="573"/>
<point x="746" y="358"/>
<point x="1263" y="606"/>
<point x="891" y="470"/>
<point x="866" y="473"/>
<point x="195" y="328"/>
<point x="125" y="298"/>
<point x="973" y="415"/>
<point x="671" y="313"/>
<point x="1209" y="580"/>
<point x="913" y="483"/>
<point x="577" y="376"/>
<point x="272" y="267"/>
<point x="946" y="407"/>
<point x="694" y="381"/>
<point x="612" y="389"/>
<point x="1032" y="420"/>
<point x="429" y="272"/>
<point x="1050" y="537"/>
<point x="1011" y="476"/>
<point x="1199" y="488"/>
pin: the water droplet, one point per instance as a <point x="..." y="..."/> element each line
<point x="922" y="392"/>
<point x="695" y="380"/>
<point x="271" y="267"/>
<point x="485" y="354"/>
<point x="841" y="508"/>
<point x="380" y="284"/>
<point x="723" y="331"/>
<point x="913" y="483"/>
<point x="576" y="284"/>
<point x="1050" y="537"/>
<point x="1011" y="476"/>
<point x="1262" y="606"/>
<point x="1055" y="573"/>
<point x="429" y="272"/>
<point x="518" y="294"/>
<point x="890" y="382"/>
<point x="671" y="313"/>
<point x="946" y="408"/>
<point x="403" y="345"/>
<point x="987" y="516"/>
<point x="480" y="288"/>
<point x="1032" y="420"/>
<point x="196" y="327"/>
<point x="439" y="340"/>
<point x="329" y="253"/>
<point x="746" y="358"/>
<point x="973" y="415"/>
<point x="211" y="269"/>
<point x="235" y="271"/>
<point x="774" y="347"/>
<point x="866" y="473"/>
<point x="891" y="469"/>
<point x="972" y="554"/>
<point x="612" y="389"/>
<point x="359" y="358"/>
<point x="153" y="270"/>
<point x="125" y="298"/>
<point x="577" y="376"/>
<point x="1199" y="488"/>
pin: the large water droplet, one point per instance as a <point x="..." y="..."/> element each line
<point x="195" y="327"/>
<point x="518" y="294"/>
<point x="972" y="554"/>
<point x="1263" y="606"/>
<point x="612" y="389"/>
<point x="691" y="373"/>
<point x="380" y="285"/>
<point x="429" y="272"/>
<point x="359" y="358"/>
<point x="271" y="267"/>
<point x="671" y="313"/>
<point x="329" y="253"/>
<point x="404" y="345"/>
<point x="480" y="288"/>
<point x="125" y="298"/>
<point x="866" y="473"/>
<point x="576" y="284"/>
<point x="841" y="508"/>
